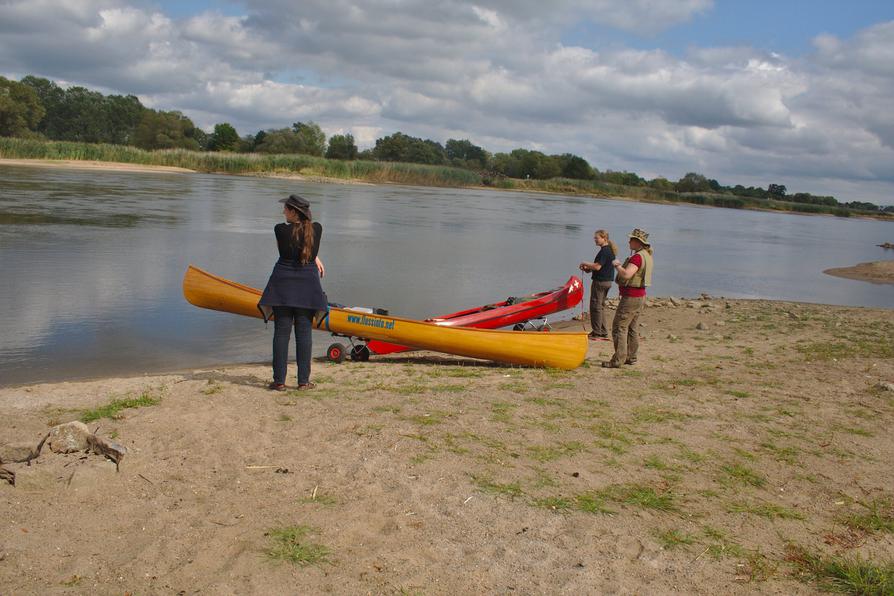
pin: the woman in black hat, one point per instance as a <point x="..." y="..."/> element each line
<point x="294" y="293"/>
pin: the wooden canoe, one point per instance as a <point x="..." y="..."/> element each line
<point x="566" y="350"/>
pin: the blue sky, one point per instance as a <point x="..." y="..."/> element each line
<point x="795" y="93"/>
<point x="783" y="26"/>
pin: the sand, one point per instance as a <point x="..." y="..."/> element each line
<point x="77" y="164"/>
<point x="695" y="471"/>
<point x="876" y="272"/>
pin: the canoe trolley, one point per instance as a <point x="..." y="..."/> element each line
<point x="359" y="352"/>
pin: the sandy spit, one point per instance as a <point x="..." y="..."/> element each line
<point x="745" y="427"/>
<point x="76" y="164"/>
<point x="876" y="272"/>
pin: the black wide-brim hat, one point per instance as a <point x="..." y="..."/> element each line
<point x="299" y="204"/>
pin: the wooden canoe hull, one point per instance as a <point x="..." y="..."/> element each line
<point x="531" y="348"/>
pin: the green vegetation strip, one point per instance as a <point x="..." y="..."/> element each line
<point x="289" y="544"/>
<point x="114" y="408"/>
<point x="843" y="574"/>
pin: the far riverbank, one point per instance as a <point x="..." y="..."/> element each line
<point x="318" y="169"/>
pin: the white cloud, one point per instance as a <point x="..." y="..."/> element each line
<point x="493" y="71"/>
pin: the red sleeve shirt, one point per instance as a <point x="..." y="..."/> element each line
<point x="633" y="292"/>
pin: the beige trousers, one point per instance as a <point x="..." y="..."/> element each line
<point x="624" y="327"/>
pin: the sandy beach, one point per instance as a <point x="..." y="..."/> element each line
<point x="749" y="433"/>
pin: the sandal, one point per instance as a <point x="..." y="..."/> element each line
<point x="304" y="386"/>
<point x="276" y="387"/>
<point x="610" y="365"/>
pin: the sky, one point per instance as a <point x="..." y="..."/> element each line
<point x="788" y="92"/>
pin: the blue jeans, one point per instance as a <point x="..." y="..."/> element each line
<point x="285" y="318"/>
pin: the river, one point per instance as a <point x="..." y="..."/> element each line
<point x="92" y="260"/>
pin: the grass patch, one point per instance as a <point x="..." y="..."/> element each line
<point x="114" y="408"/>
<point x="650" y="414"/>
<point x="767" y="510"/>
<point x="737" y="393"/>
<point x="555" y="503"/>
<point x="502" y="411"/>
<point x="639" y="496"/>
<point x="670" y="539"/>
<point x="843" y="574"/>
<point x="212" y="388"/>
<point x="744" y="475"/>
<point x="592" y="503"/>
<point x="877" y="517"/>
<point x="487" y="485"/>
<point x="289" y="544"/>
<point x="544" y="454"/>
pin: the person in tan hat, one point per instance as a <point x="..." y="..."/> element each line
<point x="633" y="277"/>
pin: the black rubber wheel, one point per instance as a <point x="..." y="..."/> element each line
<point x="518" y="327"/>
<point x="360" y="353"/>
<point x="336" y="352"/>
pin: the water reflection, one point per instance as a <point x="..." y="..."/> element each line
<point x="94" y="260"/>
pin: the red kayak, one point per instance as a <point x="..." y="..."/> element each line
<point x="511" y="311"/>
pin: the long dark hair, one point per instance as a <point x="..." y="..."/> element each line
<point x="303" y="236"/>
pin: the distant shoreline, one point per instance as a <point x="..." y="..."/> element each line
<point x="116" y="166"/>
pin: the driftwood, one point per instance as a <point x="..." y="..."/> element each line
<point x="97" y="445"/>
<point x="7" y="474"/>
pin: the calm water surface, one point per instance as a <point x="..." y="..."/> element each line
<point x="92" y="261"/>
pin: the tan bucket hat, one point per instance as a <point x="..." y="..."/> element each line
<point x="641" y="235"/>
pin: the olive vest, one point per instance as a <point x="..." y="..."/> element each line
<point x="643" y="276"/>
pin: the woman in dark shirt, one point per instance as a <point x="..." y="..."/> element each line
<point x="294" y="293"/>
<point x="603" y="275"/>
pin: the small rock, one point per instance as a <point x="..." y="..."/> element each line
<point x="68" y="437"/>
<point x="794" y="316"/>
<point x="720" y="324"/>
<point x="673" y="337"/>
<point x="884" y="386"/>
<point x="705" y="296"/>
<point x="691" y="304"/>
<point x="727" y="305"/>
<point x="674" y="301"/>
<point x="701" y="326"/>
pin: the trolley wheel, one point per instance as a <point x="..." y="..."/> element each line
<point x="360" y="353"/>
<point x="518" y="327"/>
<point x="336" y="352"/>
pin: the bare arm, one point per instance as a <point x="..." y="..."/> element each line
<point x="320" y="267"/>
<point x="624" y="272"/>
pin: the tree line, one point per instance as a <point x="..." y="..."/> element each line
<point x="36" y="107"/>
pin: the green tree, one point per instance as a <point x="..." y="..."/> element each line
<point x="20" y="108"/>
<point x="692" y="182"/>
<point x="283" y="140"/>
<point x="224" y="138"/>
<point x="777" y="191"/>
<point x="465" y="154"/>
<point x="342" y="147"/>
<point x="575" y="167"/>
<point x="122" y="116"/>
<point x="311" y="139"/>
<point x="401" y="147"/>
<point x="51" y="97"/>
<point x="166" y="130"/>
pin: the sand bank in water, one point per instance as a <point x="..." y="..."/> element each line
<point x="877" y="272"/>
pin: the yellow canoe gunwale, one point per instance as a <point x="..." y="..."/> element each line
<point x="565" y="350"/>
